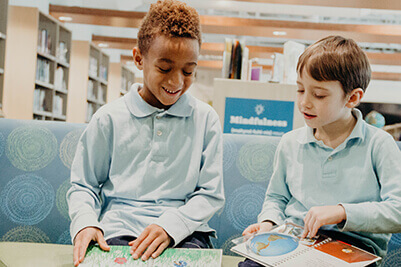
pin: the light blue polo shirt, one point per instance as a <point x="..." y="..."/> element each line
<point x="136" y="165"/>
<point x="363" y="174"/>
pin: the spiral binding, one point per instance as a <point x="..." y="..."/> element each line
<point x="278" y="263"/>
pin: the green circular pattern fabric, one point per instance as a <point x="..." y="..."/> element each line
<point x="255" y="161"/>
<point x="31" y="148"/>
<point x="26" y="234"/>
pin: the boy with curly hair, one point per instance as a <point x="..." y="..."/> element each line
<point x="337" y="175"/>
<point x="148" y="168"/>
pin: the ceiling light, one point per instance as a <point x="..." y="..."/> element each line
<point x="65" y="18"/>
<point x="279" y="33"/>
<point x="103" y="45"/>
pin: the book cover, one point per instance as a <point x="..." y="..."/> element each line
<point x="171" y="257"/>
<point x="228" y="45"/>
<point x="284" y="247"/>
<point x="232" y="70"/>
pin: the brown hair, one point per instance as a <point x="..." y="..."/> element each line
<point x="170" y="18"/>
<point x="336" y="58"/>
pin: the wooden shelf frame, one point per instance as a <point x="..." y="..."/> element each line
<point x="3" y="38"/>
<point x="310" y="31"/>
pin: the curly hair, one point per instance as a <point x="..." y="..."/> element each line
<point x="170" y="18"/>
<point x="336" y="58"/>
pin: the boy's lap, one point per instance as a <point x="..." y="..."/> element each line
<point x="196" y="240"/>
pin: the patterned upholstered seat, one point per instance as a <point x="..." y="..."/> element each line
<point x="35" y="161"/>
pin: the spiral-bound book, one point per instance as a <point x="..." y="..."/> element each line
<point x="284" y="247"/>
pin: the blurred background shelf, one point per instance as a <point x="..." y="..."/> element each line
<point x="39" y="89"/>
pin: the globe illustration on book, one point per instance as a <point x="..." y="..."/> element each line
<point x="272" y="244"/>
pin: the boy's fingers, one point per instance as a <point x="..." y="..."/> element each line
<point x="138" y="241"/>
<point x="246" y="231"/>
<point x="102" y="243"/>
<point x="80" y="249"/>
<point x="141" y="248"/>
<point x="76" y="254"/>
<point x="250" y="229"/>
<point x="151" y="248"/>
<point x="315" y="228"/>
<point x="304" y="234"/>
<point x="160" y="249"/>
<point x="306" y="230"/>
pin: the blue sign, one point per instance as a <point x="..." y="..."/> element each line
<point x="256" y="116"/>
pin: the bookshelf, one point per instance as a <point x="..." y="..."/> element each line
<point x="3" y="30"/>
<point x="127" y="79"/>
<point x="97" y="80"/>
<point x="90" y="72"/>
<point x="120" y="80"/>
<point x="37" y="61"/>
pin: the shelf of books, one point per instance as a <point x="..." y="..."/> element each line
<point x="3" y="30"/>
<point x="38" y="76"/>
<point x="97" y="80"/>
<point x="127" y="79"/>
<point x="52" y="69"/>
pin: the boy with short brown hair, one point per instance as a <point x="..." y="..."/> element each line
<point x="148" y="168"/>
<point x="337" y="175"/>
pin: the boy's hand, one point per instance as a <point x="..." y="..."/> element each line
<point x="258" y="227"/>
<point x="154" y="239"/>
<point x="82" y="240"/>
<point x="323" y="215"/>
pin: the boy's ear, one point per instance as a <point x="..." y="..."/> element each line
<point x="354" y="97"/>
<point x="138" y="58"/>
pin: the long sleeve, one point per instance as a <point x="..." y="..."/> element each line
<point x="277" y="194"/>
<point x="208" y="196"/>
<point x="380" y="216"/>
<point x="88" y="172"/>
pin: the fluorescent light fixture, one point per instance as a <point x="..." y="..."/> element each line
<point x="62" y="18"/>
<point x="103" y="45"/>
<point x="279" y="33"/>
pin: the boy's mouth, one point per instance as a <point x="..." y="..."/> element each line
<point x="309" y="116"/>
<point x="170" y="92"/>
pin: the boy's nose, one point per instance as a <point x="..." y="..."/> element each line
<point x="305" y="102"/>
<point x="176" y="81"/>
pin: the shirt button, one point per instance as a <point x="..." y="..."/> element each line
<point x="159" y="133"/>
<point x="158" y="117"/>
<point x="330" y="158"/>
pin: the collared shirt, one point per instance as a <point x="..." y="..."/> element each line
<point x="137" y="165"/>
<point x="362" y="174"/>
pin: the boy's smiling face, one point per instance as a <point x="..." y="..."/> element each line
<point x="168" y="69"/>
<point x="322" y="103"/>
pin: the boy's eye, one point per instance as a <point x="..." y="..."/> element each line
<point x="164" y="70"/>
<point x="300" y="91"/>
<point x="187" y="73"/>
<point x="320" y="96"/>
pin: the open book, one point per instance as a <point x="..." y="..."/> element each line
<point x="283" y="246"/>
<point x="171" y="257"/>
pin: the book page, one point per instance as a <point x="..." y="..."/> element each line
<point x="283" y="247"/>
<point x="269" y="253"/>
<point x="120" y="256"/>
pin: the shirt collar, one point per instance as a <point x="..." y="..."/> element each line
<point x="140" y="108"/>
<point x="307" y="135"/>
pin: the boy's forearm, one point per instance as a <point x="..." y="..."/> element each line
<point x="83" y="211"/>
<point x="182" y="222"/>
<point x="374" y="217"/>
